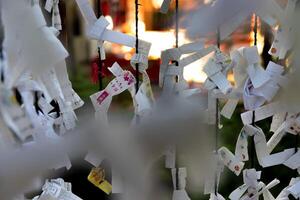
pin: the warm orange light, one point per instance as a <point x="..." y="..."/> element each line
<point x="110" y="20"/>
<point x="260" y="36"/>
<point x="157" y="3"/>
<point x="194" y="72"/>
<point x="160" y="40"/>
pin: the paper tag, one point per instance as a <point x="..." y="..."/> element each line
<point x="212" y="110"/>
<point x="294" y="161"/>
<point x="216" y="197"/>
<point x="165" y="6"/>
<point x="266" y="188"/>
<point x="229" y="107"/>
<point x="276" y="137"/>
<point x="180" y="195"/>
<point x="140" y="59"/>
<point x="277" y="158"/>
<point x="117" y="182"/>
<point x="94" y="158"/>
<point x="116" y="69"/>
<point x="258" y="75"/>
<point x="97" y="30"/>
<point x="170" y="157"/>
<point x="87" y="11"/>
<point x="182" y="174"/>
<point x="295" y="190"/>
<point x="260" y="145"/>
<point x="260" y="113"/>
<point x="49" y="5"/>
<point x="251" y="177"/>
<point x="97" y="178"/>
<point x="230" y="160"/>
<point x="241" y="147"/>
<point x="238" y="193"/>
<point x="251" y="55"/>
<point x="277" y="120"/>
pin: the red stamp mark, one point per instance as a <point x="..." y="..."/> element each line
<point x="102" y="97"/>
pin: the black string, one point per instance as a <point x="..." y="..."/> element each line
<point x="100" y="62"/>
<point x="252" y="145"/>
<point x="217" y="122"/>
<point x="296" y="149"/>
<point x="255" y="30"/>
<point x="176" y="23"/>
<point x="137" y="43"/>
<point x="177" y="64"/>
<point x="1" y="44"/>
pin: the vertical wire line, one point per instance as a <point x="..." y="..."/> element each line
<point x="252" y="156"/>
<point x="177" y="64"/>
<point x="137" y="43"/>
<point x="176" y="23"/>
<point x="100" y="62"/>
<point x="1" y="44"/>
<point x="217" y="121"/>
<point x="296" y="150"/>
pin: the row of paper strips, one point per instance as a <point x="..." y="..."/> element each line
<point x="36" y="97"/>
<point x="255" y="86"/>
<point x="40" y="81"/>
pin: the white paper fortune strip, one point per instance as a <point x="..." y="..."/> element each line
<point x="216" y="69"/>
<point x="171" y="76"/>
<point x="180" y="192"/>
<point x="102" y="100"/>
<point x="52" y="5"/>
<point x="36" y="50"/>
<point x="97" y="29"/>
<point x="165" y="6"/>
<point x="232" y="162"/>
<point x="66" y="86"/>
<point x="57" y="189"/>
<point x="255" y="97"/>
<point x="285" y="34"/>
<point x="252" y="189"/>
<point x="260" y="113"/>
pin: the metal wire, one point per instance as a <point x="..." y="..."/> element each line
<point x="137" y="43"/>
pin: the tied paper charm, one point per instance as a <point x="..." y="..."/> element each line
<point x="235" y="162"/>
<point x="97" y="178"/>
<point x="255" y="97"/>
<point x="64" y="116"/>
<point x="57" y="189"/>
<point x="66" y="86"/>
<point x="14" y="116"/>
<point x="52" y="5"/>
<point x="143" y="99"/>
<point x="292" y="189"/>
<point x="36" y="41"/>
<point x="216" y="83"/>
<point x="285" y="34"/>
<point x="179" y="184"/>
<point x="170" y="75"/>
<point x="216" y="70"/>
<point x="97" y="28"/>
<point x="258" y="77"/>
<point x="288" y="157"/>
<point x="213" y="178"/>
<point x="252" y="188"/>
<point x="241" y="151"/>
<point x="101" y="100"/>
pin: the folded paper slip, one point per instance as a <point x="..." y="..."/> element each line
<point x="97" y="178"/>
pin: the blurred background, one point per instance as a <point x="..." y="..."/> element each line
<point x="158" y="29"/>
